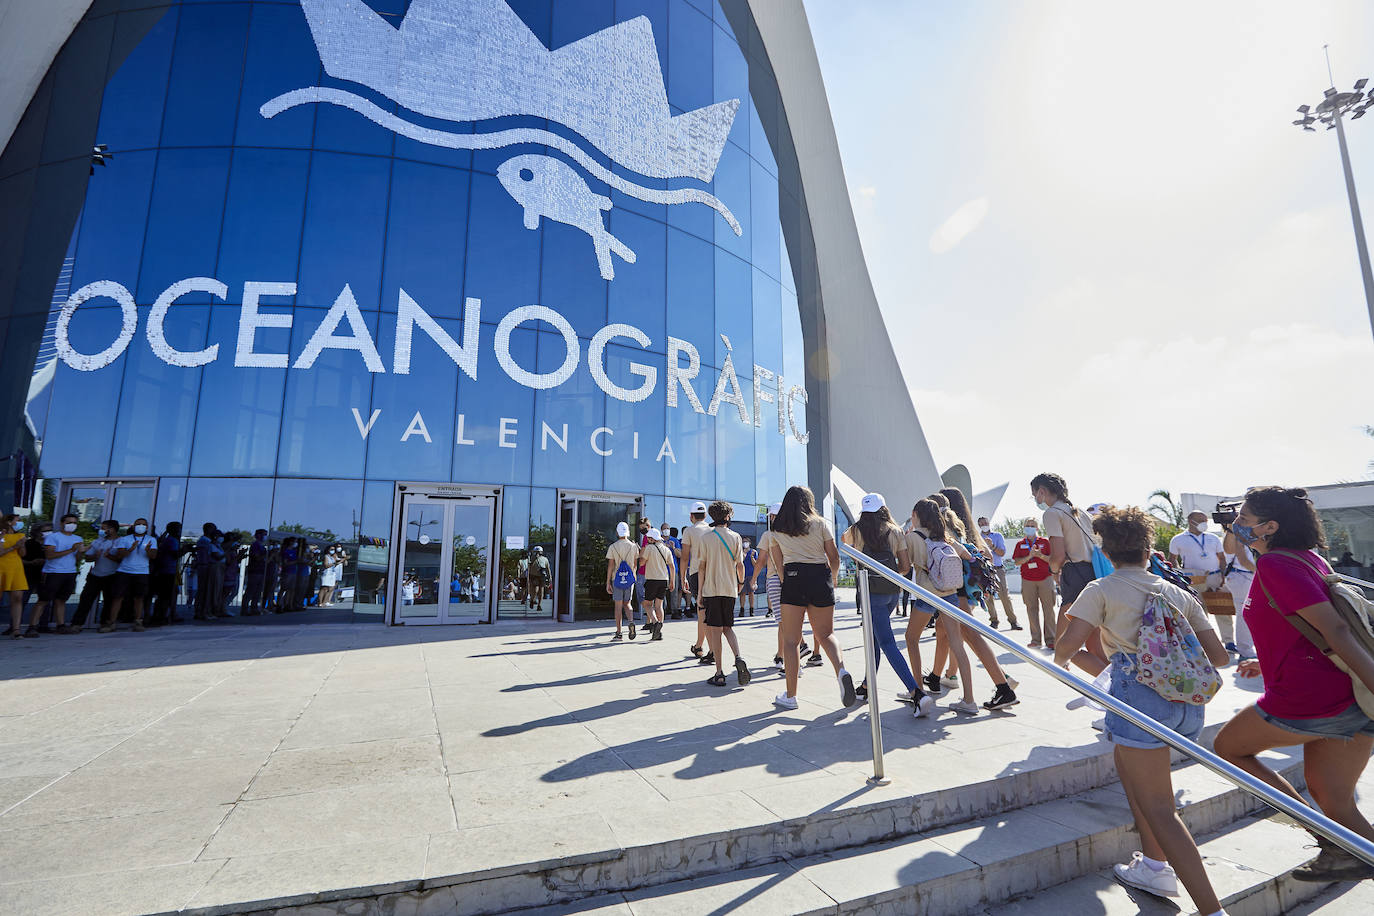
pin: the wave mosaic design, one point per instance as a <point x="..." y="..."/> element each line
<point x="473" y="60"/>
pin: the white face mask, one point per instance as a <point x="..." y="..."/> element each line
<point x="140" y="529"/>
<point x="69" y="528"/>
<point x="1031" y="532"/>
<point x="1202" y="525"/>
<point x="985" y="529"/>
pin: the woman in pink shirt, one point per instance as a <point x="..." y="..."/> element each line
<point x="1307" y="700"/>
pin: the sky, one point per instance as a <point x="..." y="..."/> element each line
<point x="1099" y="244"/>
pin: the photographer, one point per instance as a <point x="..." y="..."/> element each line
<point x="1240" y="575"/>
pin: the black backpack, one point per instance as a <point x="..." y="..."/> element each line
<point x="877" y="584"/>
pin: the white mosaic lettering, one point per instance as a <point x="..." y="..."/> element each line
<point x="517" y="317"/>
<point x="409" y="314"/>
<point x="324" y="338"/>
<point x="761" y="375"/>
<point x="89" y="363"/>
<point x="157" y="338"/>
<point x="596" y="363"/>
<point x="801" y="436"/>
<point x="679" y="375"/>
<point x="250" y="319"/>
<point x="728" y="378"/>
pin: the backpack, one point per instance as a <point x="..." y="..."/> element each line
<point x="943" y="565"/>
<point x="1102" y="566"/>
<point x="877" y="584"/>
<point x="1160" y="566"/>
<point x="1172" y="662"/>
<point x="624" y="575"/>
<point x="981" y="575"/>
<point x="1351" y="606"/>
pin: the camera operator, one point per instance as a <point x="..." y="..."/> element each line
<point x="1198" y="553"/>
<point x="1240" y="575"/>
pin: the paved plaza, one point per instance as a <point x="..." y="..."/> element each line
<point x="209" y="768"/>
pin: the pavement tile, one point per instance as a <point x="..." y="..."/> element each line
<point x="14" y="789"/>
<point x="597" y="782"/>
<point x="295" y="771"/>
<point x="335" y="817"/>
<point x="129" y="892"/>
<point x="52" y="755"/>
<point x="505" y="848"/>
<point x="379" y="867"/>
<point x="321" y="728"/>
<point x="185" y="737"/>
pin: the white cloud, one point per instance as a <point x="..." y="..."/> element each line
<point x="955" y="229"/>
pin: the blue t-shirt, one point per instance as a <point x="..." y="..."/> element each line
<point x="167" y="547"/>
<point x="60" y="541"/>
<point x="136" y="562"/>
<point x="996" y="542"/>
<point x="750" y="557"/>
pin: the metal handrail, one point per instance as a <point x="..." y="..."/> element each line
<point x="1353" y="581"/>
<point x="1312" y="819"/>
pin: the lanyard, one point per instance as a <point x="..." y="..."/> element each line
<point x="1201" y="541"/>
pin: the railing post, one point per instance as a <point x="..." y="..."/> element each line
<point x="871" y="678"/>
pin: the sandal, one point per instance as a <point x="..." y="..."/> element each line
<point x="696" y="650"/>
<point x="861" y="691"/>
<point x="617" y="637"/>
<point x="742" y="673"/>
<point x="717" y="680"/>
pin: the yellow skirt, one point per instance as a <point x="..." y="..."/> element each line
<point x="12" y="580"/>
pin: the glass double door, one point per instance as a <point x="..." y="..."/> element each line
<point x="586" y="527"/>
<point x="94" y="501"/>
<point x="444" y="568"/>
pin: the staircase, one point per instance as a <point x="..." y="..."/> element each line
<point x="1035" y="842"/>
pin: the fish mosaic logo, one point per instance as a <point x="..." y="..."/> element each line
<point x="469" y="61"/>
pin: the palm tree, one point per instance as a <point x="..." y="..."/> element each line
<point x="1163" y="507"/>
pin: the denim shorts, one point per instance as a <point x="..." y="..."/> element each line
<point x="1345" y="725"/>
<point x="1183" y="718"/>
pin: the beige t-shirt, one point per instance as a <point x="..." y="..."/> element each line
<point x="620" y="551"/>
<point x="656" y="556"/>
<point x="1060" y="521"/>
<point x="764" y="547"/>
<point x="691" y="535"/>
<point x="721" y="579"/>
<point x="809" y="547"/>
<point x="1115" y="603"/>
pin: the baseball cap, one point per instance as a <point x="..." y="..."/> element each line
<point x="775" y="508"/>
<point x="1096" y="508"/>
<point x="872" y="502"/>
<point x="698" y="506"/>
<point x="654" y="534"/>
<point x="622" y="529"/>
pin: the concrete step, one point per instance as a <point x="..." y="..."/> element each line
<point x="795" y="819"/>
<point x="1057" y="851"/>
<point x="1344" y="899"/>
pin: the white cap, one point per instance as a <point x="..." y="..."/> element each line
<point x="1096" y="509"/>
<point x="654" y="534"/>
<point x="622" y="529"/>
<point x="775" y="508"/>
<point x="872" y="502"/>
<point x="698" y="506"/>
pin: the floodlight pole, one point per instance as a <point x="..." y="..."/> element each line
<point x="1361" y="245"/>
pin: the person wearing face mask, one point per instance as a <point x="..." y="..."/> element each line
<point x="1069" y="531"/>
<point x="100" y="577"/>
<point x="1307" y="699"/>
<point x="998" y="545"/>
<point x="1198" y="553"/>
<point x="134" y="552"/>
<point x="62" y="550"/>
<point x="1031" y="555"/>
<point x="13" y="582"/>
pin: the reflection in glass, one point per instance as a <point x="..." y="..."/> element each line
<point x="422" y="551"/>
<point x="469" y="560"/>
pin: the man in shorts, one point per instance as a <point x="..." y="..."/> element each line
<point x="537" y="577"/>
<point x="656" y="559"/>
<point x="62" y="550"/>
<point x="720" y="571"/>
<point x="674" y="543"/>
<point x="746" y="589"/>
<point x="134" y="552"/>
<point x="691" y="536"/>
<point x="621" y="558"/>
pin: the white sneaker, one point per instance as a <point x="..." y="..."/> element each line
<point x="950" y="680"/>
<point x="924" y="706"/>
<point x="967" y="707"/>
<point x="907" y="696"/>
<point x="783" y="701"/>
<point x="1100" y="724"/>
<point x="1137" y="874"/>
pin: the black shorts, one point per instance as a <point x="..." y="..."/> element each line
<point x="655" y="589"/>
<point x="130" y="585"/>
<point x="808" y="585"/>
<point x="720" y="612"/>
<point x="57" y="586"/>
<point x="692" y="581"/>
<point x="1073" y="578"/>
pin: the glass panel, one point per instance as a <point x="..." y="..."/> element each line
<point x="131" y="110"/>
<point x="323" y="516"/>
<point x="207" y="71"/>
<point x="281" y="56"/>
<point x="183" y="221"/>
<point x="514" y="553"/>
<point x="567" y="537"/>
<point x="345" y="225"/>
<point x="470" y="559"/>
<point x="374" y="552"/>
<point x="421" y="553"/>
<point x="88" y="504"/>
<point x="131" y="502"/>
<point x="596" y="523"/>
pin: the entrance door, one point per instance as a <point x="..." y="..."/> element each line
<point x="586" y="527"/>
<point x="444" y="570"/>
<point x="96" y="500"/>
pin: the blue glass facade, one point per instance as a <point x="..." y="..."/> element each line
<point x="283" y="392"/>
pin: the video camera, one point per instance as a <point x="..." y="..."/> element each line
<point x="1226" y="512"/>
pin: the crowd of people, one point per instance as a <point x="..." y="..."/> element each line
<point x="1095" y="594"/>
<point x="136" y="576"/>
